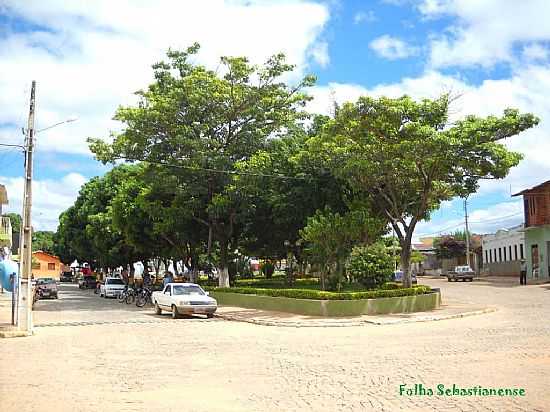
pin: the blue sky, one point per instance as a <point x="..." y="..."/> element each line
<point x="90" y="58"/>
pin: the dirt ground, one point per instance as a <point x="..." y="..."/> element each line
<point x="92" y="354"/>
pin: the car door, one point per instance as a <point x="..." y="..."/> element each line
<point x="165" y="298"/>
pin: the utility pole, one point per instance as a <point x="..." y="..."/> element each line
<point x="25" y="247"/>
<point x="467" y="231"/>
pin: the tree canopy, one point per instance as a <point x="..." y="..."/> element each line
<point x="405" y="158"/>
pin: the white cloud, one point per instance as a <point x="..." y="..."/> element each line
<point x="319" y="52"/>
<point x="536" y="51"/>
<point x="364" y="16"/>
<point x="92" y="56"/>
<point x="392" y="48"/>
<point x="485" y="33"/>
<point x="50" y="197"/>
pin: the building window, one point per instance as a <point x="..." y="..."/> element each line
<point x="486" y="260"/>
<point x="516" y="252"/>
<point x="51" y="266"/>
<point x="510" y="252"/>
<point x="36" y="265"/>
<point x="500" y="254"/>
<point x="521" y="251"/>
<point x="504" y="248"/>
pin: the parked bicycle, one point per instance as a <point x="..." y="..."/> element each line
<point x="131" y="295"/>
<point x="124" y="294"/>
<point x="143" y="297"/>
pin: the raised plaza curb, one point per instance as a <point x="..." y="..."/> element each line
<point x="332" y="308"/>
<point x="362" y="321"/>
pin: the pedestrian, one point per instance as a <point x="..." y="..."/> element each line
<point x="125" y="278"/>
<point x="146" y="278"/>
<point x="168" y="278"/>
<point x="523" y="273"/>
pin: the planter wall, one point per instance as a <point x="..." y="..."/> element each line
<point x="332" y="308"/>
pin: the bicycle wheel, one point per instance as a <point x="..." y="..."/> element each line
<point x="130" y="298"/>
<point x="141" y="300"/>
<point x="122" y="297"/>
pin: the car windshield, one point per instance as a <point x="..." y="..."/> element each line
<point x="89" y="278"/>
<point x="43" y="281"/>
<point x="186" y="290"/>
<point x="114" y="282"/>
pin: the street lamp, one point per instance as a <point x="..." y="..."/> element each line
<point x="24" y="320"/>
<point x="24" y="131"/>
<point x="69" y="120"/>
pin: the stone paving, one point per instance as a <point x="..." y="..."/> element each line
<point x="93" y="354"/>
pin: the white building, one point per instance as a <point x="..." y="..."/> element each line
<point x="503" y="251"/>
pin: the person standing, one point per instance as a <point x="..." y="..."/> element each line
<point x="125" y="278"/>
<point x="523" y="273"/>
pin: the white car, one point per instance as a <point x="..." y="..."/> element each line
<point x="111" y="288"/>
<point x="184" y="298"/>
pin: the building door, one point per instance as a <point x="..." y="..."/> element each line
<point x="548" y="258"/>
<point x="535" y="258"/>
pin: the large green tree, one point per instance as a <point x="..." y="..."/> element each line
<point x="282" y="192"/>
<point x="43" y="240"/>
<point x="86" y="231"/>
<point x="406" y="158"/>
<point x="199" y="123"/>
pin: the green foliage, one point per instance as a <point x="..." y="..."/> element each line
<point x="15" y="220"/>
<point x="417" y="257"/>
<point x="371" y="265"/>
<point x="196" y="124"/>
<point x="86" y="231"/>
<point x="330" y="237"/>
<point x="402" y="157"/>
<point x="275" y="283"/>
<point x="44" y="241"/>
<point x="447" y="247"/>
<point x="323" y="295"/>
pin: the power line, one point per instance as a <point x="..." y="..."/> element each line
<point x="220" y="171"/>
<point x="470" y="222"/>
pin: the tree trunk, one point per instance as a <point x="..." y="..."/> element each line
<point x="322" y="277"/>
<point x="405" y="263"/>
<point x="223" y="272"/>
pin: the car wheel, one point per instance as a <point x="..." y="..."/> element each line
<point x="209" y="315"/>
<point x="449" y="279"/>
<point x="175" y="313"/>
<point x="158" y="310"/>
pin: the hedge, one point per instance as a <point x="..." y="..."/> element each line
<point x="322" y="295"/>
<point x="273" y="282"/>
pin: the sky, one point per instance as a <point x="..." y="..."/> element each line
<point x="89" y="57"/>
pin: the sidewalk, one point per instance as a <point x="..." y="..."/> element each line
<point x="451" y="310"/>
<point x="6" y="328"/>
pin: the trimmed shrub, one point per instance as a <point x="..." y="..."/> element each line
<point x="322" y="295"/>
<point x="390" y="285"/>
<point x="275" y="283"/>
<point x="371" y="265"/>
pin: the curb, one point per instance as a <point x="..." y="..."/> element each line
<point x="325" y="324"/>
<point x="14" y="334"/>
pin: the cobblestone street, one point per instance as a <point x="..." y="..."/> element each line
<point x="93" y="354"/>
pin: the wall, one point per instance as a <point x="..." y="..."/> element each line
<point x="537" y="236"/>
<point x="43" y="272"/>
<point x="497" y="260"/>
